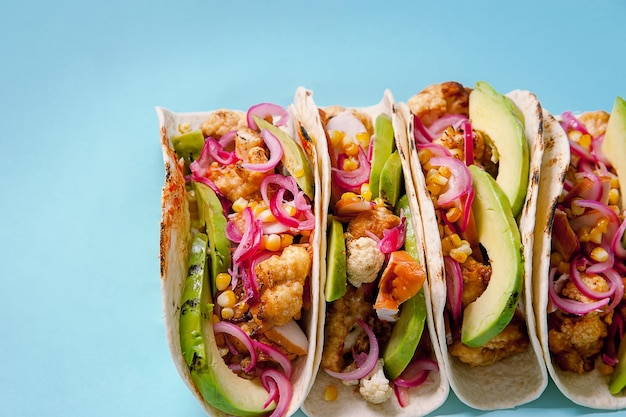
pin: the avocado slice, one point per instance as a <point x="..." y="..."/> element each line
<point x="212" y="215"/>
<point x="614" y="143"/>
<point x="294" y="159"/>
<point x="498" y="234"/>
<point x="384" y="145"/>
<point x="391" y="179"/>
<point x="336" y="277"/>
<point x="618" y="379"/>
<point x="495" y="116"/>
<point x="219" y="386"/>
<point x="188" y="146"/>
<point x="407" y="331"/>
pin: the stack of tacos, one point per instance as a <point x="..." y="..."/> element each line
<point x="580" y="258"/>
<point x="365" y="260"/>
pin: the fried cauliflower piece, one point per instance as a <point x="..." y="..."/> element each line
<point x="595" y="122"/>
<point x="512" y="340"/>
<point x="223" y="121"/>
<point x="363" y="260"/>
<point x="593" y="281"/>
<point x="438" y="100"/>
<point x="476" y="277"/>
<point x="454" y="140"/>
<point x="247" y="142"/>
<point x="375" y="221"/>
<point x="281" y="280"/>
<point x="341" y="318"/>
<point x="234" y="181"/>
<point x="375" y="388"/>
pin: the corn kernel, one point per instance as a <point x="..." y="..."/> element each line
<point x="433" y="188"/>
<point x="285" y="240"/>
<point x="613" y="196"/>
<point x="379" y="202"/>
<point x="272" y="242"/>
<point x="424" y="156"/>
<point x="184" y="127"/>
<point x="227" y="299"/>
<point x="595" y="236"/>
<point x="555" y="259"/>
<point x="563" y="268"/>
<point x="575" y="135"/>
<point x="602" y="224"/>
<point x="215" y="318"/>
<point x="222" y="281"/>
<point x="227" y="313"/>
<point x="290" y="209"/>
<point x="445" y="171"/>
<point x="363" y="138"/>
<point x="351" y="149"/>
<point x="576" y="209"/>
<point x="350" y="165"/>
<point x="458" y="255"/>
<point x="585" y="141"/>
<point x="240" y="204"/>
<point x="330" y="393"/>
<point x="456" y="240"/>
<point x="453" y="214"/>
<point x="599" y="254"/>
<point x="439" y="179"/>
<point x="264" y="215"/>
<point x="446" y="245"/>
<point x="615" y="182"/>
<point x="336" y="137"/>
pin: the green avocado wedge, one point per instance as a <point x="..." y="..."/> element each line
<point x="614" y="143"/>
<point x="336" y="275"/>
<point x="618" y="379"/>
<point x="219" y="386"/>
<point x="498" y="234"/>
<point x="212" y="215"/>
<point x="407" y="331"/>
<point x="494" y="115"/>
<point x="188" y="146"/>
<point x="391" y="179"/>
<point x="294" y="159"/>
<point x="384" y="145"/>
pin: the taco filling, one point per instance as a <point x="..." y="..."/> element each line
<point x="586" y="290"/>
<point x="448" y="146"/>
<point x="248" y="194"/>
<point x="376" y="291"/>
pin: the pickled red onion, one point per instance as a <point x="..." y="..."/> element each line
<point x="285" y="390"/>
<point x="441" y="124"/>
<point x="469" y="143"/>
<point x="571" y="306"/>
<point x="368" y="365"/>
<point x="420" y="132"/>
<point x="352" y="180"/>
<point x="276" y="153"/>
<point x="416" y="373"/>
<point x="454" y="287"/>
<point x="278" y="113"/>
<point x="459" y="183"/>
<point x="238" y="333"/>
<point x="276" y="355"/>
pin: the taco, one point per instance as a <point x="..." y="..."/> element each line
<point x="580" y="256"/>
<point x="376" y="327"/>
<point x="240" y="257"/>
<point x="476" y="158"/>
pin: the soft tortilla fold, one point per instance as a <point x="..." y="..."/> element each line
<point x="430" y="395"/>
<point x="520" y="378"/>
<point x="175" y="241"/>
<point x="589" y="389"/>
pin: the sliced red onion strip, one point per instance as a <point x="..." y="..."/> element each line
<point x="276" y="153"/>
<point x="236" y="331"/>
<point x="595" y="192"/>
<point x="435" y="148"/>
<point x="279" y="212"/>
<point x="207" y="182"/>
<point x="277" y="356"/>
<point x="218" y="154"/>
<point x="262" y="110"/>
<point x="469" y="143"/>
<point x="454" y="286"/>
<point x="570" y="122"/>
<point x="616" y="282"/>
<point x="459" y="183"/>
<point x="616" y="244"/>
<point x="272" y="389"/>
<point x="232" y="232"/>
<point x="420" y="132"/>
<point x="416" y="373"/>
<point x="402" y="395"/>
<point x="251" y="239"/>
<point x="393" y="238"/>
<point x="441" y="124"/>
<point x="352" y="180"/>
<point x="285" y="390"/>
<point x="572" y="306"/>
<point x="227" y="139"/>
<point x="577" y="280"/>
<point x="289" y="183"/>
<point x="368" y="365"/>
<point x="467" y="209"/>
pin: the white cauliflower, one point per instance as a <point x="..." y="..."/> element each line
<point x="375" y="387"/>
<point x="363" y="260"/>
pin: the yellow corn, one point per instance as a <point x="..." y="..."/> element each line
<point x="453" y="214"/>
<point x="330" y="393"/>
<point x="379" y="202"/>
<point x="563" y="268"/>
<point x="614" y="182"/>
<point x="272" y="242"/>
<point x="366" y="193"/>
<point x="264" y="215"/>
<point x="445" y="171"/>
<point x="613" y="196"/>
<point x="456" y="240"/>
<point x="227" y="299"/>
<point x="424" y="156"/>
<point x="446" y="245"/>
<point x="336" y="137"/>
<point x="215" y="318"/>
<point x="459" y="254"/>
<point x="439" y="179"/>
<point x="583" y="234"/>
<point x="598" y="254"/>
<point x="184" y="127"/>
<point x="363" y="138"/>
<point x="351" y="149"/>
<point x="227" y="313"/>
<point x="575" y="135"/>
<point x="585" y="141"/>
<point x="433" y="188"/>
<point x="285" y="240"/>
<point x="555" y="259"/>
<point x="222" y="281"/>
<point x="576" y="209"/>
<point x="291" y="210"/>
<point x="602" y="225"/>
<point x="595" y="236"/>
<point x="350" y="165"/>
<point x="240" y="204"/>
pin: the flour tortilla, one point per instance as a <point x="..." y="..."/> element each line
<point x="521" y="378"/>
<point x="591" y="388"/>
<point x="175" y="242"/>
<point x="431" y="395"/>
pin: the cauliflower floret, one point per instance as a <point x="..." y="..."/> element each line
<point x="223" y="121"/>
<point x="438" y="100"/>
<point x="363" y="260"/>
<point x="375" y="387"/>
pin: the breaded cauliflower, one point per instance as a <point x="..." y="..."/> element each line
<point x="363" y="260"/>
<point x="245" y="141"/>
<point x="375" y="387"/>
<point x="281" y="280"/>
<point x="372" y="221"/>
<point x="595" y="122"/>
<point x="438" y="100"/>
<point x="223" y="121"/>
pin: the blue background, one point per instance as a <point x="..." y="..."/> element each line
<point x="81" y="330"/>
